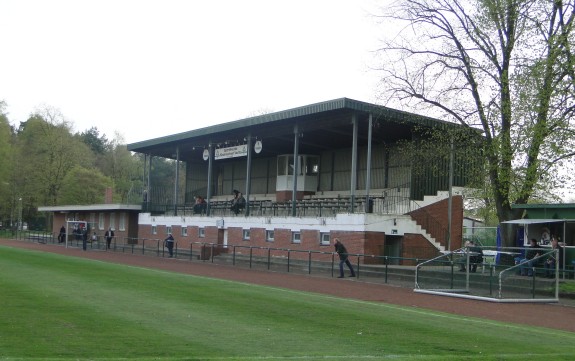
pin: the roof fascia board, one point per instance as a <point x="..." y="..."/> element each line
<point x="92" y="207"/>
<point x="537" y="221"/>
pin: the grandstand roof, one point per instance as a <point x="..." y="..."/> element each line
<point x="325" y="125"/>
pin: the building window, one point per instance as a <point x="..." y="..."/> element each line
<point x="201" y="233"/>
<point x="122" y="222"/>
<point x="101" y="221"/>
<point x="168" y="229"/>
<point x="184" y="231"/>
<point x="246" y="234"/>
<point x="154" y="230"/>
<point x="269" y="236"/>
<point x="325" y="239"/>
<point x="295" y="237"/>
<point x="93" y="221"/>
<point x="113" y="221"/>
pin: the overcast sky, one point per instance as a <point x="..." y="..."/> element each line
<point x="149" y="68"/>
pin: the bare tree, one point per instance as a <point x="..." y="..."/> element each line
<point x="502" y="66"/>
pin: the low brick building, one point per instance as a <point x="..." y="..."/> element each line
<point x="122" y="218"/>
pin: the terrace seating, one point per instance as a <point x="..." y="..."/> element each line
<point x="322" y="205"/>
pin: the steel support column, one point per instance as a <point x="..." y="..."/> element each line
<point x="177" y="181"/>
<point x="368" y="166"/>
<point x="209" y="190"/>
<point x="353" y="185"/>
<point x="248" y="173"/>
<point x="295" y="170"/>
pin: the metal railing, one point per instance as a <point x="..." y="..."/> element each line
<point x="393" y="200"/>
<point x="495" y="278"/>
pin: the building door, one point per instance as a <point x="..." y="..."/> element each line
<point x="392" y="248"/>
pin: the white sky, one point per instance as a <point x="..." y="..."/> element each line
<point x="149" y="68"/>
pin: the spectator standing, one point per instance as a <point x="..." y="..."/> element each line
<point x="84" y="231"/>
<point x="545" y="236"/>
<point x="551" y="261"/>
<point x="169" y="244"/>
<point x="62" y="235"/>
<point x="109" y="235"/>
<point x="343" y="258"/>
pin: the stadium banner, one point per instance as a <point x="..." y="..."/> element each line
<point x="232" y="152"/>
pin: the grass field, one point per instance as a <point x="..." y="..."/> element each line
<point x="54" y="307"/>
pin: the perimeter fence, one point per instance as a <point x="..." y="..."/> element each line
<point x="496" y="278"/>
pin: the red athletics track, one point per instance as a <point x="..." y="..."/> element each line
<point x="558" y="316"/>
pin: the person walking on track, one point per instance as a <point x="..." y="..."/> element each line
<point x="343" y="258"/>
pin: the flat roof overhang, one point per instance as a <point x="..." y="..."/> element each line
<point x="537" y="221"/>
<point x="91" y="208"/>
<point x="544" y="206"/>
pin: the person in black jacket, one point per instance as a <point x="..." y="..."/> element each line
<point x="109" y="235"/>
<point x="238" y="203"/>
<point x="62" y="235"/>
<point x="169" y="244"/>
<point x="343" y="258"/>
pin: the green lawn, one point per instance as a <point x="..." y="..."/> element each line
<point x="63" y="308"/>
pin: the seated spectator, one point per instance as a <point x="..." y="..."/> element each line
<point x="531" y="258"/>
<point x="238" y="203"/>
<point x="475" y="257"/>
<point x="551" y="261"/>
<point x="200" y="205"/>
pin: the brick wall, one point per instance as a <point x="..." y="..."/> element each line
<point x="438" y="213"/>
<point x="374" y="244"/>
<point x="416" y="246"/>
<point x="131" y="223"/>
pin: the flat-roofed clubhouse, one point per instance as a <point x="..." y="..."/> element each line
<point x="308" y="174"/>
